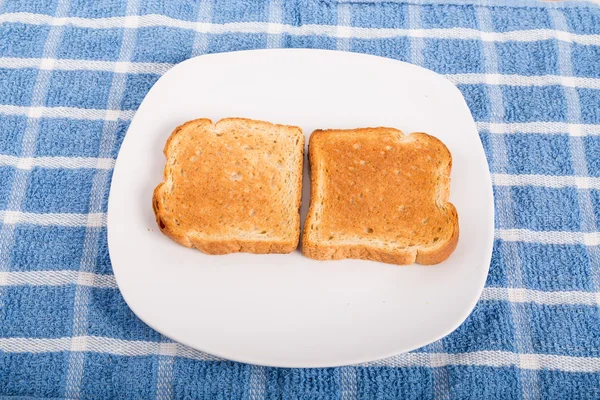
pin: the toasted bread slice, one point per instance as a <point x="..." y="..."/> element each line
<point x="379" y="195"/>
<point x="233" y="186"/>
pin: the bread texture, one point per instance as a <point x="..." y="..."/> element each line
<point x="379" y="195"/>
<point x="232" y="186"/>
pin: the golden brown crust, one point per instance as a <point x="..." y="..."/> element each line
<point x="379" y="195"/>
<point x="233" y="186"/>
<point x="436" y="256"/>
<point x="158" y="213"/>
<point x="227" y="246"/>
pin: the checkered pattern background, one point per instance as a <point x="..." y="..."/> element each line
<point x="73" y="72"/>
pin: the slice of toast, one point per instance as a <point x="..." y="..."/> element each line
<point x="379" y="195"/>
<point x="232" y="186"/>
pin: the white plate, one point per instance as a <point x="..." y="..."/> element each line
<point x="288" y="310"/>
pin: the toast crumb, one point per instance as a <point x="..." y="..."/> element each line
<point x="232" y="186"/>
<point x="379" y="195"/>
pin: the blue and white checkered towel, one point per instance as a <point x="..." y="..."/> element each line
<point x="73" y="72"/>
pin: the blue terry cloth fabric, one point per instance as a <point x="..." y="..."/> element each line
<point x="72" y="74"/>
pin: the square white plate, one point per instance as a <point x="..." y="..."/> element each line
<point x="288" y="310"/>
